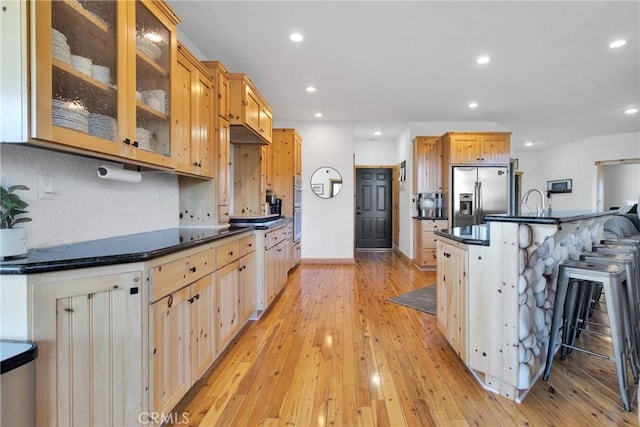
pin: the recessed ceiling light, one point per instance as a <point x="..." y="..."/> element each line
<point x="528" y="143"/>
<point x="632" y="110"/>
<point x="318" y="115"/>
<point x="483" y="60"/>
<point x="296" y="37"/>
<point x="617" y="43"/>
<point x="311" y="89"/>
<point x="473" y="105"/>
<point x="377" y="132"/>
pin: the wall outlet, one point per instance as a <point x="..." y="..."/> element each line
<point x="45" y="187"/>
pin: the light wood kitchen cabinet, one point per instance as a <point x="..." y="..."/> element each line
<point x="275" y="262"/>
<point x="451" y="299"/>
<point x="426" y="164"/>
<point x="222" y="139"/>
<point x="193" y="130"/>
<point x="221" y="76"/>
<point x="286" y="148"/>
<point x="267" y="168"/>
<point x="228" y="307"/>
<point x="113" y="97"/>
<point x="477" y="148"/>
<point x="224" y="170"/>
<point x="251" y="115"/>
<point x="235" y="287"/>
<point x="247" y="280"/>
<point x="89" y="330"/>
<point x="202" y="341"/>
<point x="170" y="358"/>
<point x="424" y="240"/>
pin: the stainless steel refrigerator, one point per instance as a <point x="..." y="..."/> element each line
<point x="478" y="191"/>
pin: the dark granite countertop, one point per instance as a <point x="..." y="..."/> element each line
<point x="555" y="217"/>
<point x="436" y="218"/>
<point x="115" y="250"/>
<point x="469" y="235"/>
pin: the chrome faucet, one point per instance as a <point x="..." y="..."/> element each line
<point x="525" y="198"/>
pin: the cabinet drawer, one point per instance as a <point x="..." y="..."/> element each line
<point x="227" y="253"/>
<point x="247" y="245"/>
<point x="428" y="240"/>
<point x="173" y="275"/>
<point x="272" y="238"/>
<point x="428" y="257"/>
<point x="433" y="225"/>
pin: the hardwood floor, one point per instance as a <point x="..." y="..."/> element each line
<point x="333" y="351"/>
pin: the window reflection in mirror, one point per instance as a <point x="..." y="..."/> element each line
<point x="326" y="182"/>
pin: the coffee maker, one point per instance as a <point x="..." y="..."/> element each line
<point x="275" y="204"/>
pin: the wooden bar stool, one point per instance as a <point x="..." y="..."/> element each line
<point x="612" y="278"/>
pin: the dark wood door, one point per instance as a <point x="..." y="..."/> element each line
<point x="373" y="208"/>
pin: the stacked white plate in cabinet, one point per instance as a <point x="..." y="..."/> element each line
<point x="148" y="47"/>
<point x="101" y="73"/>
<point x="156" y="99"/>
<point x="59" y="47"/>
<point x="70" y="114"/>
<point x="102" y="126"/>
<point x="81" y="64"/>
<point x="143" y="137"/>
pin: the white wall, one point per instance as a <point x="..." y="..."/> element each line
<point x="327" y="224"/>
<point x="375" y="153"/>
<point x="621" y="185"/>
<point x="576" y="161"/>
<point x="85" y="207"/>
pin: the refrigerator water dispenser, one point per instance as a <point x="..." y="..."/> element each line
<point x="466" y="203"/>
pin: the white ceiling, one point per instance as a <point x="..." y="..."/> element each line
<point x="552" y="78"/>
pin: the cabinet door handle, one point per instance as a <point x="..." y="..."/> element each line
<point x="135" y="144"/>
<point x="192" y="269"/>
<point x="197" y="296"/>
<point x="170" y="301"/>
<point x="127" y="141"/>
<point x="250" y="245"/>
<point x="197" y="164"/>
<point x="230" y="253"/>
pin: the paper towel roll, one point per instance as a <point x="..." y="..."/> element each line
<point x="123" y="175"/>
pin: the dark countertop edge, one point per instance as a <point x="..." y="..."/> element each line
<point x="72" y="264"/>
<point x="466" y="241"/>
<point x="18" y="359"/>
<point x="546" y="220"/>
<point x="435" y="218"/>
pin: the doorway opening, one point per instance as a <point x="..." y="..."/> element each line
<point x="374" y="208"/>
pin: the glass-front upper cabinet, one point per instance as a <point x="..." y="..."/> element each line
<point x="102" y="77"/>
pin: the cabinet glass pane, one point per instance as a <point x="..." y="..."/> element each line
<point x="153" y="59"/>
<point x="84" y="67"/>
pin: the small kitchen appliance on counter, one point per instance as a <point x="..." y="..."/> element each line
<point x="429" y="205"/>
<point x="275" y="204"/>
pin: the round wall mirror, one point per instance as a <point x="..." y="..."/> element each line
<point x="326" y="182"/>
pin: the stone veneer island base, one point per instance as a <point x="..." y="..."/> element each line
<point x="496" y="309"/>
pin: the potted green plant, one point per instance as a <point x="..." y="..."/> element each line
<point x="12" y="208"/>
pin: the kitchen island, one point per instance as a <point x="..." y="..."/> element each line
<point x="496" y="290"/>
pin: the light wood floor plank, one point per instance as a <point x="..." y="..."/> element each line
<point x="331" y="350"/>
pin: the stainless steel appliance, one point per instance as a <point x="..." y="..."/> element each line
<point x="478" y="191"/>
<point x="297" y="209"/>
<point x="429" y="205"/>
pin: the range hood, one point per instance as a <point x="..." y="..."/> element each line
<point x="241" y="134"/>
